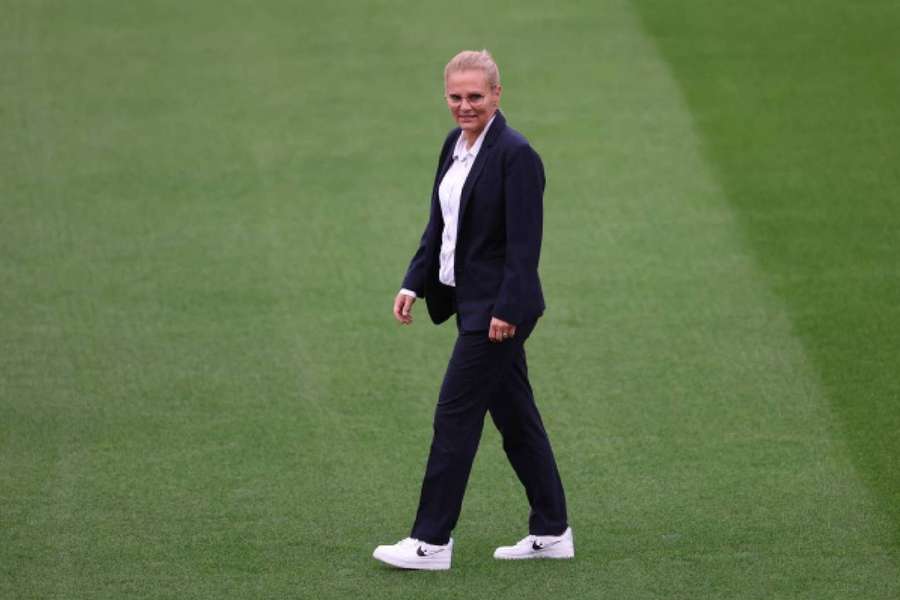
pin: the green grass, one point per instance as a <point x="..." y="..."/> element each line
<point x="205" y="212"/>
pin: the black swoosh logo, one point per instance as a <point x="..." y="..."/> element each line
<point x="536" y="547"/>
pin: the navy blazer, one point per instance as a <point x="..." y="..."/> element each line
<point x="498" y="240"/>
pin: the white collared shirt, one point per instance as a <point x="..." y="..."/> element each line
<point x="449" y="194"/>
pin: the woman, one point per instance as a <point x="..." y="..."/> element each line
<point x="478" y="259"/>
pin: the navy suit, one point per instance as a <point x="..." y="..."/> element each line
<point x="498" y="246"/>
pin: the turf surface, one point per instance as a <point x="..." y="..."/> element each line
<point x="206" y="209"/>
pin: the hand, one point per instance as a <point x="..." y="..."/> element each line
<point x="402" y="307"/>
<point x="501" y="330"/>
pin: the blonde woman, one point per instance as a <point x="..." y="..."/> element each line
<point x="478" y="259"/>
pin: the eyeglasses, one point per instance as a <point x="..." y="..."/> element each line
<point x="474" y="100"/>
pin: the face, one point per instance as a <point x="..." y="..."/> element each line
<point x="471" y="100"/>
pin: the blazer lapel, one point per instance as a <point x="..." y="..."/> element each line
<point x="448" y="160"/>
<point x="445" y="166"/>
<point x="496" y="127"/>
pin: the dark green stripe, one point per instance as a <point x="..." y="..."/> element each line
<point x="798" y="104"/>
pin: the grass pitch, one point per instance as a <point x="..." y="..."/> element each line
<point x="206" y="209"/>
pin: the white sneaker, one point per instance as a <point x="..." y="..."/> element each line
<point x="539" y="546"/>
<point x="411" y="553"/>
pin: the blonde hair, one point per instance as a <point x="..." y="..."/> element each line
<point x="469" y="60"/>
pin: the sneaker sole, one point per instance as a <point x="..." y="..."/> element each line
<point x="417" y="565"/>
<point x="558" y="553"/>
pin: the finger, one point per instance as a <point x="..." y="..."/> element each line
<point x="408" y="308"/>
<point x="512" y="331"/>
<point x="407" y="304"/>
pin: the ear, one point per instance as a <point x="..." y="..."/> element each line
<point x="498" y="90"/>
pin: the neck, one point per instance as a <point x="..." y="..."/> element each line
<point x="471" y="136"/>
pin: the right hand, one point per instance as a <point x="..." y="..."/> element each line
<point x="403" y="307"/>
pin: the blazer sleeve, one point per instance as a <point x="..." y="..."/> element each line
<point x="524" y="204"/>
<point x="415" y="274"/>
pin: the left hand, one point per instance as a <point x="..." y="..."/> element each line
<point x="501" y="330"/>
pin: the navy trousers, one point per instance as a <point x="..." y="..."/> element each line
<point x="485" y="376"/>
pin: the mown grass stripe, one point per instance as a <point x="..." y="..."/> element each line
<point x="801" y="129"/>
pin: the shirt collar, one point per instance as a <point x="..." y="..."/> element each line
<point x="460" y="149"/>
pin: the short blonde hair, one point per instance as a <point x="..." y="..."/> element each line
<point x="469" y="60"/>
